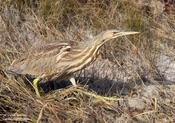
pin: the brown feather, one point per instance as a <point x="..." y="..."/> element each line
<point x="61" y="60"/>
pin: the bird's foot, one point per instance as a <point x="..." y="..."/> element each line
<point x="73" y="81"/>
<point x="105" y="99"/>
<point x="35" y="85"/>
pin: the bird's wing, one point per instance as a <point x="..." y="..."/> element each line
<point x="36" y="60"/>
<point x="46" y="50"/>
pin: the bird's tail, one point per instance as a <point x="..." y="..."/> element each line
<point x="12" y="70"/>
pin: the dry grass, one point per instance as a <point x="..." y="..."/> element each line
<point x="30" y="23"/>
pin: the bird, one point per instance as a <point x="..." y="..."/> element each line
<point x="60" y="60"/>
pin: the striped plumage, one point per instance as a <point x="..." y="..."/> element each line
<point x="60" y="61"/>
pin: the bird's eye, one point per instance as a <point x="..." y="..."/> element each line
<point x="68" y="49"/>
<point x="115" y="33"/>
<point x="103" y="40"/>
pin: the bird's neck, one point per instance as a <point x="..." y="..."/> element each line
<point x="85" y="57"/>
<point x="89" y="51"/>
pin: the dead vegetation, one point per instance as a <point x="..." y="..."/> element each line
<point x="139" y="69"/>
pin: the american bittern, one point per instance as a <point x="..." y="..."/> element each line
<point x="60" y="61"/>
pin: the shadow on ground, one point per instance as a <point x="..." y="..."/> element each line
<point x="100" y="86"/>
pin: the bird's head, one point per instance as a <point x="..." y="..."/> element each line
<point x="111" y="34"/>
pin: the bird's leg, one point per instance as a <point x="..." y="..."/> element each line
<point x="35" y="85"/>
<point x="72" y="80"/>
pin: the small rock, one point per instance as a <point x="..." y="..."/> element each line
<point x="137" y="104"/>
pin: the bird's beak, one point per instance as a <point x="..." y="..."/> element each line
<point x="118" y="34"/>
